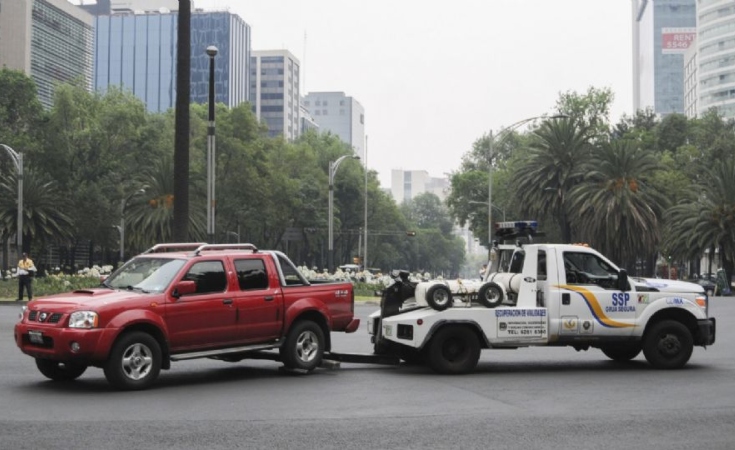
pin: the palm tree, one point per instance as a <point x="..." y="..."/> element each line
<point x="151" y="216"/>
<point x="616" y="208"/>
<point x="42" y="217"/>
<point x="549" y="171"/>
<point x="706" y="220"/>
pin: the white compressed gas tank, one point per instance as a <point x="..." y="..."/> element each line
<point x="510" y="282"/>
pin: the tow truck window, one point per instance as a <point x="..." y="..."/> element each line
<point x="541" y="265"/>
<point x="585" y="268"/>
<point x="251" y="274"/>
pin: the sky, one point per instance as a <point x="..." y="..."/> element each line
<point x="435" y="76"/>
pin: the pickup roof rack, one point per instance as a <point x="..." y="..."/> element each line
<point x="198" y="247"/>
<point x="249" y="247"/>
<point x="162" y="248"/>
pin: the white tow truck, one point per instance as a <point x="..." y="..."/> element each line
<point x="553" y="295"/>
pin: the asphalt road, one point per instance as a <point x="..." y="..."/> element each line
<point x="538" y="398"/>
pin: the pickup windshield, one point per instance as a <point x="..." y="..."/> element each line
<point x="148" y="275"/>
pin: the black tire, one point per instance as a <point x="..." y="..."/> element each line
<point x="454" y="350"/>
<point x="60" y="371"/>
<point x="668" y="345"/>
<point x="135" y="361"/>
<point x="490" y="295"/>
<point x="439" y="297"/>
<point x="304" y="346"/>
<point x="622" y="352"/>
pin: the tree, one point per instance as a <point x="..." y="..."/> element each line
<point x="615" y="207"/>
<point x="181" y="144"/>
<point x="590" y="110"/>
<point x="43" y="220"/>
<point x="549" y="171"/>
<point x="706" y="220"/>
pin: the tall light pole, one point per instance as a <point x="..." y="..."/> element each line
<point x="18" y="161"/>
<point x="121" y="227"/>
<point x="333" y="165"/>
<point x="500" y="137"/>
<point x="211" y="165"/>
<point x="365" y="252"/>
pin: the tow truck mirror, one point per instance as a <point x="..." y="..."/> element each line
<point x="623" y="280"/>
<point x="184" y="287"/>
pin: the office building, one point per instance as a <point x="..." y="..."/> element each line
<point x="49" y="40"/>
<point x="341" y="115"/>
<point x="137" y="52"/>
<point x="662" y="32"/>
<point x="407" y="184"/>
<point x="275" y="91"/>
<point x="715" y="57"/>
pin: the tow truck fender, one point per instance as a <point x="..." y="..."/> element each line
<point x="468" y="323"/>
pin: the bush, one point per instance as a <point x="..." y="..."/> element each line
<point x="52" y="284"/>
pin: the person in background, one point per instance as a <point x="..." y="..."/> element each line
<point x="26" y="269"/>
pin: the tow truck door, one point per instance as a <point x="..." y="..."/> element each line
<point x="589" y="301"/>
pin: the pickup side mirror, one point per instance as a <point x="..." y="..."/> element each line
<point x="184" y="287"/>
<point x="623" y="280"/>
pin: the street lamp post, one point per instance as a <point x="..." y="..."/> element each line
<point x="497" y="208"/>
<point x="211" y="165"/>
<point x="18" y="161"/>
<point x="333" y="165"/>
<point x="500" y="136"/>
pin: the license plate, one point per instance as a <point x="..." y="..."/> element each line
<point x="36" y="337"/>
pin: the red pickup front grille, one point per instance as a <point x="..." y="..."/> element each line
<point x="42" y="316"/>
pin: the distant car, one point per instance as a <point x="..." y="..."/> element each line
<point x="708" y="284"/>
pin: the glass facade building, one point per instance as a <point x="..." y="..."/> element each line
<point x="662" y="32"/>
<point x="137" y="52"/>
<point x="49" y="40"/>
<point x="274" y="91"/>
<point x="716" y="56"/>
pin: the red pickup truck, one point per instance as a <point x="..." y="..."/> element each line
<point x="185" y="301"/>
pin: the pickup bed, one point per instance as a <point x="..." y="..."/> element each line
<point x="186" y="301"/>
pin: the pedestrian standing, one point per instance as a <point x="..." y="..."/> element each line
<point x="26" y="269"/>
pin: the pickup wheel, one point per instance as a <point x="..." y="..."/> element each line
<point x="60" y="371"/>
<point x="668" y="345"/>
<point x="304" y="346"/>
<point x="454" y="350"/>
<point x="439" y="297"/>
<point x="621" y="353"/>
<point x="490" y="295"/>
<point x="135" y="361"/>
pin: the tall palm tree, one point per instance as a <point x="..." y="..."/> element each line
<point x="549" y="170"/>
<point x="150" y="217"/>
<point x="706" y="220"/>
<point x="42" y="218"/>
<point x="616" y="208"/>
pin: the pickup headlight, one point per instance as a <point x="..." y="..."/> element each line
<point x="83" y="319"/>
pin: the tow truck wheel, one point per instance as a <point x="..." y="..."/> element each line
<point x="490" y="295"/>
<point x="304" y="346"/>
<point x="135" y="361"/>
<point x="60" y="371"/>
<point x="621" y="353"/>
<point x="439" y="297"/>
<point x="668" y="345"/>
<point x="454" y="350"/>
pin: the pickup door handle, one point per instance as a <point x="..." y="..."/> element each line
<point x="269" y="298"/>
<point x="227" y="301"/>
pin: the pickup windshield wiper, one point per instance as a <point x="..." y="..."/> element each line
<point x="137" y="288"/>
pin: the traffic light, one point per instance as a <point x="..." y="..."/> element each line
<point x="410" y="233"/>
